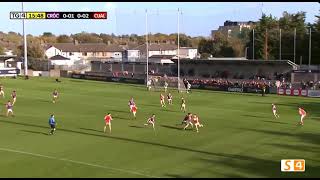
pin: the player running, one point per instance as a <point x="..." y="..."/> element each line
<point x="134" y="110"/>
<point x="303" y="114"/>
<point x="107" y="119"/>
<point x="165" y="86"/>
<point x="1" y="91"/>
<point x="162" y="102"/>
<point x="188" y="87"/>
<point x="274" y="110"/>
<point x="52" y="124"/>
<point x="131" y="104"/>
<point x="55" y="96"/>
<point x="14" y="97"/>
<point x="169" y="97"/>
<point x="9" y="107"/>
<point x="151" y="120"/>
<point x="188" y="121"/>
<point x="183" y="105"/>
<point x="196" y="122"/>
<point x="149" y="82"/>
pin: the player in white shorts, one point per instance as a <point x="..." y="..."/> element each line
<point x="183" y="105"/>
<point x="169" y="97"/>
<point x="188" y="121"/>
<point x="274" y="110"/>
<point x="14" y="97"/>
<point x="1" y="91"/>
<point x="134" y="110"/>
<point x="165" y="86"/>
<point x="131" y="104"/>
<point x="9" y="107"/>
<point x="55" y="95"/>
<point x="163" y="104"/>
<point x="188" y="87"/>
<point x="151" y="120"/>
<point x="196" y="122"/>
<point x="303" y="114"/>
<point x="149" y="84"/>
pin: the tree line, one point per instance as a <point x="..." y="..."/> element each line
<point x="237" y="44"/>
<point x="266" y="34"/>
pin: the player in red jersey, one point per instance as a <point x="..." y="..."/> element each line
<point x="107" y="119"/>
<point x="151" y="120"/>
<point x="134" y="110"/>
<point x="303" y="114"/>
<point x="163" y="104"/>
<point x="131" y="104"/>
<point x="196" y="122"/>
<point x="169" y="97"/>
<point x="274" y="110"/>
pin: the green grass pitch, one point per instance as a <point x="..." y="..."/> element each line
<point x="240" y="137"/>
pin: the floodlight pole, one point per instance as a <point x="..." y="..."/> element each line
<point x="253" y="44"/>
<point x="309" y="48"/>
<point x="294" y="45"/>
<point x="178" y="52"/>
<point x="147" y="46"/>
<point x="25" y="47"/>
<point x="280" y="44"/>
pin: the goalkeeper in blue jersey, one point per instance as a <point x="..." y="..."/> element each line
<point x="52" y="123"/>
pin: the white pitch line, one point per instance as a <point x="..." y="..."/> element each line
<point x="77" y="162"/>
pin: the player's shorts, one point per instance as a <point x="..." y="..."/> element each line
<point x="151" y="122"/>
<point x="108" y="123"/>
<point x="197" y="124"/>
<point x="10" y="110"/>
<point x="183" y="105"/>
<point x="274" y="111"/>
<point x="52" y="126"/>
<point x="1" y="92"/>
<point x="55" y="96"/>
<point x="14" y="99"/>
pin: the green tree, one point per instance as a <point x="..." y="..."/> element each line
<point x="1" y="50"/>
<point x="84" y="37"/>
<point x="64" y="39"/>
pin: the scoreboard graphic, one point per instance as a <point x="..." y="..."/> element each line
<point x="58" y="15"/>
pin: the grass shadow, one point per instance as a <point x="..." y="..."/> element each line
<point x="175" y="176"/>
<point x="276" y="122"/>
<point x="35" y="132"/>
<point x="255" y="116"/>
<point x="134" y="126"/>
<point x="176" y="128"/>
<point x="117" y="117"/>
<point x="88" y="129"/>
<point x="118" y="111"/>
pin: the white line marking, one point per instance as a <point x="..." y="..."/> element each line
<point x="77" y="162"/>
